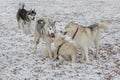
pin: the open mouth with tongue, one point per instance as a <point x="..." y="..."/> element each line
<point x="52" y="35"/>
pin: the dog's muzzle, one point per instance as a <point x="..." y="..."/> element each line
<point x="52" y="35"/>
<point x="33" y="18"/>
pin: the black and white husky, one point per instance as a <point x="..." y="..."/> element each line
<point x="46" y="30"/>
<point x="24" y="17"/>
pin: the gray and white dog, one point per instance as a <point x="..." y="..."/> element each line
<point x="24" y="17"/>
<point x="46" y="30"/>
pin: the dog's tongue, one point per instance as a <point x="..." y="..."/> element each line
<point x="52" y="35"/>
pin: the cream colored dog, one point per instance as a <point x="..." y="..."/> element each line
<point x="64" y="51"/>
<point x="83" y="36"/>
<point x="46" y="30"/>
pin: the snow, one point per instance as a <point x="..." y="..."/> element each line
<point x="17" y="61"/>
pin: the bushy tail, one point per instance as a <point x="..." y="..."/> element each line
<point x="21" y="5"/>
<point x="41" y="22"/>
<point x="102" y="26"/>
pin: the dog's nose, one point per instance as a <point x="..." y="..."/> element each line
<point x="33" y="18"/>
<point x="61" y="32"/>
<point x="52" y="35"/>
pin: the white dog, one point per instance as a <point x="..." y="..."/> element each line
<point x="44" y="29"/>
<point x="65" y="51"/>
<point x="83" y="36"/>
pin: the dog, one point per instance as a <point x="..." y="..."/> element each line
<point x="24" y="17"/>
<point x="46" y="30"/>
<point x="64" y="50"/>
<point x="83" y="36"/>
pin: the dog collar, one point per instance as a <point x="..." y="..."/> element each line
<point x="59" y="49"/>
<point x="75" y="34"/>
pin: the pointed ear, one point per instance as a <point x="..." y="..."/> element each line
<point x="49" y="20"/>
<point x="33" y="9"/>
<point x="72" y="22"/>
<point x="54" y="22"/>
<point x="30" y="9"/>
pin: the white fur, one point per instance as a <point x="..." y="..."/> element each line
<point x="84" y="37"/>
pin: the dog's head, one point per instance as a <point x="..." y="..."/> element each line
<point x="31" y="14"/>
<point x="69" y="28"/>
<point x="51" y="29"/>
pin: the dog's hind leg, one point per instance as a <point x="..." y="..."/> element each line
<point x="36" y="40"/>
<point x="19" y="24"/>
<point x="23" y="24"/>
<point x="86" y="54"/>
<point x="96" y="43"/>
<point x="83" y="55"/>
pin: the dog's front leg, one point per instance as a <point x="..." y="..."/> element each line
<point x="61" y="59"/>
<point x="96" y="42"/>
<point x="86" y="55"/>
<point x="36" y="40"/>
<point x="28" y="27"/>
<point x="49" y="50"/>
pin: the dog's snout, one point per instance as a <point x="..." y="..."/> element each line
<point x="61" y="32"/>
<point x="33" y="18"/>
<point x="52" y="35"/>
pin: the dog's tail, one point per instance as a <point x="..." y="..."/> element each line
<point x="41" y="22"/>
<point x="102" y="26"/>
<point x="21" y="5"/>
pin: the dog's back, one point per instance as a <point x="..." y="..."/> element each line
<point x="21" y="14"/>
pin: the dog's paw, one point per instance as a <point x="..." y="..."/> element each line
<point x="88" y="62"/>
<point x="96" y="56"/>
<point x="34" y="51"/>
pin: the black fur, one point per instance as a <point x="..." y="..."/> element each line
<point x="22" y="13"/>
<point x="92" y="27"/>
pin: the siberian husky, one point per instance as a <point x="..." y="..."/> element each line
<point x="64" y="50"/>
<point x="24" y="17"/>
<point x="46" y="30"/>
<point x="83" y="36"/>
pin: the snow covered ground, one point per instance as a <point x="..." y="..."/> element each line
<point x="17" y="61"/>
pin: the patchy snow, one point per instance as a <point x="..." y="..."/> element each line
<point x="17" y="61"/>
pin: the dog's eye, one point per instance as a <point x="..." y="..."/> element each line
<point x="32" y="11"/>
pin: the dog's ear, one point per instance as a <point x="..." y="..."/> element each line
<point x="33" y="9"/>
<point x="30" y="10"/>
<point x="54" y="22"/>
